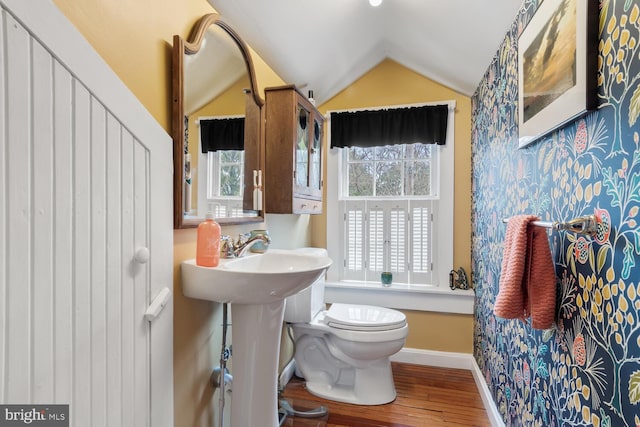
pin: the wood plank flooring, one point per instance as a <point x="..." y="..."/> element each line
<point x="426" y="397"/>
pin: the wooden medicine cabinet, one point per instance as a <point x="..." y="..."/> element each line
<point x="293" y="161"/>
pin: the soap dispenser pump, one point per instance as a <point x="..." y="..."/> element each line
<point x="208" y="242"/>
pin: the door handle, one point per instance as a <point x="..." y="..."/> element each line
<point x="157" y="305"/>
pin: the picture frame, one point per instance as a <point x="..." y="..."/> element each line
<point x="557" y="67"/>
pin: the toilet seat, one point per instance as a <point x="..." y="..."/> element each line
<point x="365" y="318"/>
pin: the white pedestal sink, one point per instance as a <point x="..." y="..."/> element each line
<point x="256" y="287"/>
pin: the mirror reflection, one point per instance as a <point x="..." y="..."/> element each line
<point x="214" y="142"/>
<point x="219" y="131"/>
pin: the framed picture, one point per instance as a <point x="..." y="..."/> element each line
<point x="557" y="66"/>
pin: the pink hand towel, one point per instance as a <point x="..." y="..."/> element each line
<point x="528" y="280"/>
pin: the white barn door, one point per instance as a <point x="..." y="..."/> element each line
<point x="85" y="230"/>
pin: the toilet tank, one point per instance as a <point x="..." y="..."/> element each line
<point x="303" y="306"/>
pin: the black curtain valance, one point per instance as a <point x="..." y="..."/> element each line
<point x="222" y="134"/>
<point x="375" y="128"/>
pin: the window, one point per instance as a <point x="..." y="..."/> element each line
<point x="223" y="189"/>
<point x="391" y="171"/>
<point x="387" y="205"/>
<point x="391" y="209"/>
<point x="221" y="166"/>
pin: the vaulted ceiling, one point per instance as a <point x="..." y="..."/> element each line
<point x="325" y="45"/>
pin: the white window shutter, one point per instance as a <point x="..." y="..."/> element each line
<point x="397" y="232"/>
<point x="236" y="208"/>
<point x="397" y="241"/>
<point x="376" y="233"/>
<point x="420" y="231"/>
<point x="387" y="244"/>
<point x="393" y="236"/>
<point x="220" y="211"/>
<point x="354" y="250"/>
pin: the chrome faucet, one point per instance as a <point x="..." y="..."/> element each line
<point x="229" y="249"/>
<point x="242" y="247"/>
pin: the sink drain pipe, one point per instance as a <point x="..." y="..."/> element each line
<point x="223" y="375"/>
<point x="285" y="408"/>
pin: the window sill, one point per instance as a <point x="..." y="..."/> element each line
<point x="398" y="296"/>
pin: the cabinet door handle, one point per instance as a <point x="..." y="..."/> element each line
<point x="157" y="305"/>
<point x="142" y="255"/>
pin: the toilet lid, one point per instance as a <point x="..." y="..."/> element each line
<point x="363" y="318"/>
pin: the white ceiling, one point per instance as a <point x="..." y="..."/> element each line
<point x="325" y="45"/>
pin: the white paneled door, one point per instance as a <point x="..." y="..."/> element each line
<point x="85" y="230"/>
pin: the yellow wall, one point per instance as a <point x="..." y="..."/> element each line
<point x="440" y="331"/>
<point x="389" y="83"/>
<point x="135" y="37"/>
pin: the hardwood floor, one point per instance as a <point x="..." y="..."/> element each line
<point x="426" y="396"/>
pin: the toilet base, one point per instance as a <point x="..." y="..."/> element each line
<point x="345" y="395"/>
<point x="372" y="385"/>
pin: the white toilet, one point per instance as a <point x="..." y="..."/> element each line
<point x="343" y="353"/>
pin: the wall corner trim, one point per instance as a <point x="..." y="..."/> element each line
<point x="446" y="359"/>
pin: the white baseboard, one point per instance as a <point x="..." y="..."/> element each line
<point x="443" y="359"/>
<point x="487" y="398"/>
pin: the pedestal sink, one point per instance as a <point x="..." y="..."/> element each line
<point x="256" y="286"/>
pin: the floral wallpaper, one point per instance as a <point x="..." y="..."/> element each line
<point x="586" y="370"/>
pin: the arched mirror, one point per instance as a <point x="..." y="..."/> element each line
<point x="216" y="127"/>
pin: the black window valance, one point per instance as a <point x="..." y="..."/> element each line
<point x="375" y="128"/>
<point x="222" y="134"/>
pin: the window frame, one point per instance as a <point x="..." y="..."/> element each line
<point x="232" y="206"/>
<point x="434" y="296"/>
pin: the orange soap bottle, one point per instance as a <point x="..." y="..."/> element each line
<point x="208" y="242"/>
